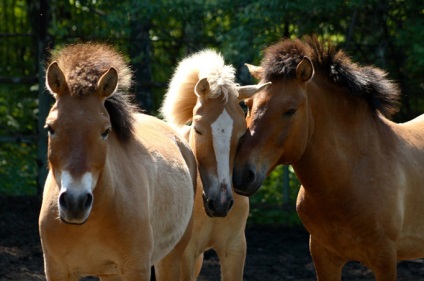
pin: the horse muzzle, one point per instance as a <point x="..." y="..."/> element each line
<point x="220" y="204"/>
<point x="246" y="180"/>
<point x="74" y="208"/>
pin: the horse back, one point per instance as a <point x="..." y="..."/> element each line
<point x="412" y="133"/>
<point x="407" y="176"/>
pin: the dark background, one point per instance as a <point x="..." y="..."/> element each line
<point x="154" y="36"/>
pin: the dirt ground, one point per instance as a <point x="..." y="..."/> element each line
<point x="274" y="253"/>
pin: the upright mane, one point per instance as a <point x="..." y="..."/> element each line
<point x="367" y="82"/>
<point x="180" y="99"/>
<point x="83" y="65"/>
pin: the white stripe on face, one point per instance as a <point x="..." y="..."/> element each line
<point x="85" y="184"/>
<point x="222" y="130"/>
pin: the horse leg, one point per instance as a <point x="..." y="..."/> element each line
<point x="328" y="266"/>
<point x="385" y="273"/>
<point x="383" y="262"/>
<point x="56" y="276"/>
<point x="169" y="268"/>
<point x="136" y="275"/>
<point x="191" y="262"/>
<point x="199" y="264"/>
<point x="232" y="257"/>
<point x="110" y="278"/>
<point x="56" y="271"/>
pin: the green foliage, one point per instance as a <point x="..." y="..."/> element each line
<point x="18" y="168"/>
<point x="268" y="205"/>
<point x="156" y="34"/>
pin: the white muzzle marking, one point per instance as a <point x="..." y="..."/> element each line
<point x="76" y="197"/>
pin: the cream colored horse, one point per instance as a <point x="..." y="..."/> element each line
<point x="203" y="92"/>
<point x="120" y="190"/>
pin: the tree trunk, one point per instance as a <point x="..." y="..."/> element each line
<point x="39" y="19"/>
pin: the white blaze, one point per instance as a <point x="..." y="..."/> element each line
<point x="222" y="129"/>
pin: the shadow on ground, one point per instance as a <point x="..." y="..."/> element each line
<point x="274" y="253"/>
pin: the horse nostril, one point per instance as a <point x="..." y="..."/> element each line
<point x="88" y="200"/>
<point x="251" y="175"/>
<point x="210" y="204"/>
<point x="63" y="202"/>
<point x="230" y="205"/>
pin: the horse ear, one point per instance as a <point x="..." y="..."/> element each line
<point x="249" y="90"/>
<point x="255" y="71"/>
<point x="202" y="87"/>
<point x="108" y="83"/>
<point x="305" y="70"/>
<point x="55" y="79"/>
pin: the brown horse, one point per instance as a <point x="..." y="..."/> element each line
<point x="203" y="92"/>
<point x="120" y="190"/>
<point x="362" y="194"/>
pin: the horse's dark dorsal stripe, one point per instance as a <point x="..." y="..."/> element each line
<point x="369" y="83"/>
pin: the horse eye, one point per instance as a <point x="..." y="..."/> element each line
<point x="105" y="134"/>
<point x="197" y="131"/>
<point x="246" y="110"/>
<point x="290" y="112"/>
<point x="244" y="107"/>
<point x="50" y="130"/>
<point x="247" y="107"/>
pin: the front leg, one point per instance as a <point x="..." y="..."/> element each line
<point x="382" y="260"/>
<point x="137" y="275"/>
<point x="110" y="278"/>
<point x="169" y="268"/>
<point x="232" y="257"/>
<point x="328" y="266"/>
<point x="56" y="271"/>
<point x="191" y="263"/>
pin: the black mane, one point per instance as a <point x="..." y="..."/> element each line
<point x="367" y="82"/>
<point x="121" y="113"/>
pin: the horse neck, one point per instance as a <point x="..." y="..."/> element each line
<point x="110" y="177"/>
<point x="344" y="130"/>
<point x="188" y="134"/>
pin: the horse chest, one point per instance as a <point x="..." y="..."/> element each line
<point x="93" y="259"/>
<point x="345" y="230"/>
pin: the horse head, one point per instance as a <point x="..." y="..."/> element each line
<point x="78" y="127"/>
<point x="218" y="124"/>
<point x="277" y="127"/>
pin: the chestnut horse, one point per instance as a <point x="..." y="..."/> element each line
<point x="120" y="190"/>
<point x="203" y="92"/>
<point x="362" y="194"/>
